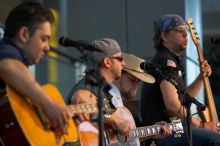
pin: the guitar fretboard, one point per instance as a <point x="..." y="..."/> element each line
<point x="88" y="108"/>
<point x="153" y="130"/>
<point x="82" y="108"/>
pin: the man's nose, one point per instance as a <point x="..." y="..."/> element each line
<point x="123" y="63"/>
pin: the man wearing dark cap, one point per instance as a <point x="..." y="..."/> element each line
<point x="162" y="100"/>
<point x="109" y="64"/>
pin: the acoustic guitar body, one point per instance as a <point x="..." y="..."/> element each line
<point x="27" y="126"/>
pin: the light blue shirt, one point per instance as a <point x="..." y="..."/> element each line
<point x="117" y="102"/>
<point x="116" y="96"/>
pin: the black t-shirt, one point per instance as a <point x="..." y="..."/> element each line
<point x="9" y="50"/>
<point x="153" y="108"/>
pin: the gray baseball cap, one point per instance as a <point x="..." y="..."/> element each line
<point x="109" y="48"/>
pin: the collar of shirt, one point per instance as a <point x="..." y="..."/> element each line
<point x="116" y="96"/>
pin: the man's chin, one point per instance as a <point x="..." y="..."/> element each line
<point x="117" y="77"/>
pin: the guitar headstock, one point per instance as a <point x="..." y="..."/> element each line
<point x="192" y="30"/>
<point x="177" y="126"/>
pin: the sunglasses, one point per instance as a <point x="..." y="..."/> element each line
<point x="181" y="29"/>
<point x="119" y="58"/>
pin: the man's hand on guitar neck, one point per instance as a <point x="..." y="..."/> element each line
<point x="206" y="70"/>
<point x="165" y="131"/>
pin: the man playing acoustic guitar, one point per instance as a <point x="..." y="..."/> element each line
<point x="110" y="64"/>
<point x="27" y="31"/>
<point x="127" y="87"/>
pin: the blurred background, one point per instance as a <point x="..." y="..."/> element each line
<point x="130" y="23"/>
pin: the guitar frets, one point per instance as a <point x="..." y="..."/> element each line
<point x="148" y="130"/>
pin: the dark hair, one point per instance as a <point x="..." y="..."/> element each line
<point x="157" y="38"/>
<point x="29" y="14"/>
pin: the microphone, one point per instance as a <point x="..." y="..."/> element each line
<point x="82" y="45"/>
<point x="215" y="40"/>
<point x="200" y="106"/>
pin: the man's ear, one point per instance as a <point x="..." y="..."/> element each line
<point x="24" y="34"/>
<point x="107" y="62"/>
<point x="164" y="36"/>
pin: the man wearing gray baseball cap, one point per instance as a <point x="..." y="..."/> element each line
<point x="108" y="64"/>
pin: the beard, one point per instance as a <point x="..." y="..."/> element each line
<point x="129" y="95"/>
<point x="117" y="77"/>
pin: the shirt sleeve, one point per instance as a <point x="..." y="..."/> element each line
<point x="10" y="52"/>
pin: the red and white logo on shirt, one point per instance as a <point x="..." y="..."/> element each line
<point x="171" y="63"/>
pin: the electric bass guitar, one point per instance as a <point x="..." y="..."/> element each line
<point x="23" y="123"/>
<point x="210" y="114"/>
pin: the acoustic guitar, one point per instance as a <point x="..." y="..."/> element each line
<point x="88" y="133"/>
<point x="22" y="123"/>
<point x="210" y="113"/>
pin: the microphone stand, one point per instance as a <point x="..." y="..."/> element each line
<point x="96" y="80"/>
<point x="187" y="101"/>
<point x="102" y="86"/>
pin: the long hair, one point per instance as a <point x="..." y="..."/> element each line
<point x="29" y="14"/>
<point x="157" y="38"/>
